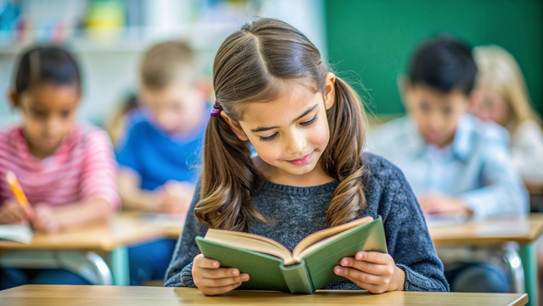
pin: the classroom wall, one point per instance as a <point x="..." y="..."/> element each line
<point x="372" y="40"/>
<point x="110" y="56"/>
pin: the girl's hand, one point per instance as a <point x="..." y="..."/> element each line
<point x="12" y="212"/>
<point x="440" y="204"/>
<point x="373" y="271"/>
<point x="45" y="219"/>
<point x="211" y="279"/>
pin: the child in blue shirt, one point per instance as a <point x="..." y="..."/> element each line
<point x="456" y="163"/>
<point x="160" y="155"/>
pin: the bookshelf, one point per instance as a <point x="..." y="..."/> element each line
<point x="109" y="36"/>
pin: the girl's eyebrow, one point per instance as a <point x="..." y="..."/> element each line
<point x="265" y="128"/>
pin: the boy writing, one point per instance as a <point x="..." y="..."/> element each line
<point x="159" y="156"/>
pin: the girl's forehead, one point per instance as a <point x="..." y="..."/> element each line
<point x="284" y="109"/>
<point x="50" y="96"/>
<point x="290" y="93"/>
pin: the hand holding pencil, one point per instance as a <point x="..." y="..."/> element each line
<point x="18" y="209"/>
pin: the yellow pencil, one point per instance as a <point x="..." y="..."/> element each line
<point x="16" y="188"/>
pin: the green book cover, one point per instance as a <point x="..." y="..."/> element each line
<point x="314" y="271"/>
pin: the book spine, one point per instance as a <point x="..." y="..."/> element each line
<point x="297" y="278"/>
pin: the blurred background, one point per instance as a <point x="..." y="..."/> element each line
<point x="367" y="41"/>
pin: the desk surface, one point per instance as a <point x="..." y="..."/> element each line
<point x="118" y="295"/>
<point x="119" y="230"/>
<point x="492" y="231"/>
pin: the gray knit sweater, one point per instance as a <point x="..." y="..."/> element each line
<point x="300" y="211"/>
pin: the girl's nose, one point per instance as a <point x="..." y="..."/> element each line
<point x="296" y="144"/>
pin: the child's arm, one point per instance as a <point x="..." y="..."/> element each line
<point x="173" y="197"/>
<point x="180" y="272"/>
<point x="408" y="240"/>
<point x="442" y="204"/>
<point x="50" y="219"/>
<point x="503" y="193"/>
<point x="132" y="196"/>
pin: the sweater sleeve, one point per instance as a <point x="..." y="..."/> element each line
<point x="179" y="273"/>
<point x="408" y="239"/>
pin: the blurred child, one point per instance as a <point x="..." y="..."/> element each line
<point x="501" y="96"/>
<point x="66" y="169"/>
<point x="455" y="163"/>
<point x="160" y="156"/>
<point x="275" y="94"/>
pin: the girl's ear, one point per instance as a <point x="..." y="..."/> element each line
<point x="13" y="98"/>
<point x="329" y="91"/>
<point x="235" y="126"/>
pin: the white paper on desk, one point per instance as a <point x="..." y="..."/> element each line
<point x="166" y="220"/>
<point x="436" y="220"/>
<point x="16" y="232"/>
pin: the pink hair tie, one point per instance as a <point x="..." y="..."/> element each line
<point x="216" y="110"/>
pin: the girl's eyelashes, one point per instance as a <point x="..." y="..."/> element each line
<point x="38" y="114"/>
<point x="309" y="122"/>
<point x="268" y="138"/>
<point x="305" y="123"/>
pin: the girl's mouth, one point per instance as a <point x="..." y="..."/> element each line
<point x="301" y="161"/>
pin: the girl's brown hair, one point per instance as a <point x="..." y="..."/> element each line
<point x="250" y="66"/>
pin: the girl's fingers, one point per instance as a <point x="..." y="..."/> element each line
<point x="206" y="263"/>
<point x="367" y="267"/>
<point x="223" y="282"/>
<point x="219" y="290"/>
<point x="359" y="277"/>
<point x="374" y="257"/>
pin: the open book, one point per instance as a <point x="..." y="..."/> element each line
<point x="16" y="232"/>
<point x="309" y="267"/>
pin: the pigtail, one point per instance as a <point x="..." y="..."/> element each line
<point x="342" y="159"/>
<point x="229" y="179"/>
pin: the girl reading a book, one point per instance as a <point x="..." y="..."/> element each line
<point x="276" y="95"/>
<point x="66" y="169"/>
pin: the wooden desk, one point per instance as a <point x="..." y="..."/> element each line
<point x="94" y="250"/>
<point x="130" y="296"/>
<point x="495" y="232"/>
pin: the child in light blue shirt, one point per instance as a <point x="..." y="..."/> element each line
<point x="473" y="170"/>
<point x="455" y="163"/>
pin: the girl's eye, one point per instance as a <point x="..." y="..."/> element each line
<point x="65" y="114"/>
<point x="309" y="122"/>
<point x="39" y="115"/>
<point x="268" y="138"/>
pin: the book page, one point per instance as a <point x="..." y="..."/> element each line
<point x="315" y="240"/>
<point x="249" y="242"/>
<point x="16" y="232"/>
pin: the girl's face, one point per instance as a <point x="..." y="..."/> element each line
<point x="489" y="104"/>
<point x="289" y="134"/>
<point x="48" y="115"/>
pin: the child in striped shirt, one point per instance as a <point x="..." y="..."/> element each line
<point x="66" y="169"/>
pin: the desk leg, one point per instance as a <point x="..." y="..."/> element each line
<point x="119" y="263"/>
<point x="528" y="255"/>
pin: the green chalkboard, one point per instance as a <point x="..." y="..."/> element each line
<point x="371" y="40"/>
